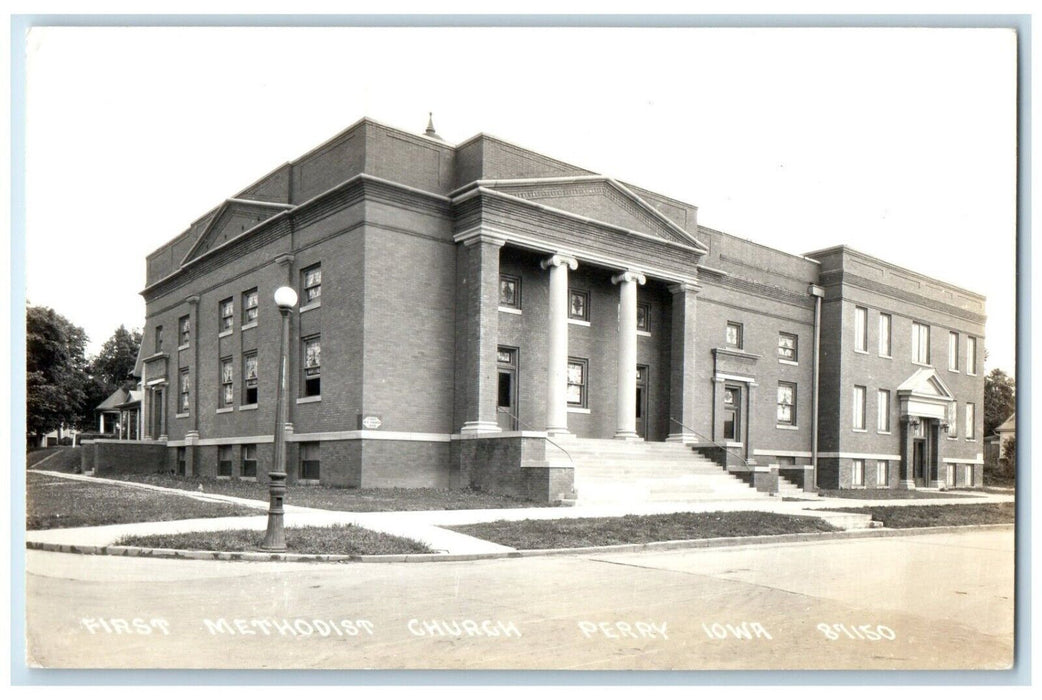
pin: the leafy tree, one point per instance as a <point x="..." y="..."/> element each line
<point x="114" y="365"/>
<point x="1009" y="456"/>
<point x="1000" y="393"/>
<point x="55" y="370"/>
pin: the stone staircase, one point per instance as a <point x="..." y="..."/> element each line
<point x="615" y="471"/>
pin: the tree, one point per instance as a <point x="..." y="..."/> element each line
<point x="55" y="366"/>
<point x="1000" y="392"/>
<point x="114" y="365"/>
<point x="1009" y="456"/>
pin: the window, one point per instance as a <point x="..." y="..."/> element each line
<point x="182" y="404"/>
<point x="249" y="461"/>
<point x="249" y="306"/>
<point x="920" y="343"/>
<point x="953" y="351"/>
<point x="734" y="335"/>
<point x="971" y="419"/>
<point x="510" y="291"/>
<point x="577" y="382"/>
<point x="967" y="478"/>
<point x="182" y="458"/>
<point x="952" y="413"/>
<point x="312" y="366"/>
<point x="883" y="411"/>
<point x="971" y="356"/>
<point x="949" y="476"/>
<point x="578" y="305"/>
<point x="224" y="460"/>
<point x="312" y="283"/>
<point x="885" y="343"/>
<point x="786" y="403"/>
<point x="310" y="462"/>
<point x="227" y="387"/>
<point x="249" y="378"/>
<point x="159" y="339"/>
<point x="185" y="325"/>
<point x="859" y="408"/>
<point x="788" y="344"/>
<point x="644" y="317"/>
<point x="860" y="329"/>
<point x="226" y="311"/>
<point x="857" y="472"/>
<point x="882" y="473"/>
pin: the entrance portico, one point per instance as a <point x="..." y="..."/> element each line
<point x="925" y="405"/>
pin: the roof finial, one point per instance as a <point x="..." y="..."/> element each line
<point x="430" y="126"/>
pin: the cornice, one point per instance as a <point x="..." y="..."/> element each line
<point x="841" y="278"/>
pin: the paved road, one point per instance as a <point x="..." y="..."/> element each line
<point x="914" y="602"/>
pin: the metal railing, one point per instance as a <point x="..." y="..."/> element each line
<point x="548" y="438"/>
<point x="712" y="442"/>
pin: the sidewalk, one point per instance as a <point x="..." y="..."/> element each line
<point x="428" y="526"/>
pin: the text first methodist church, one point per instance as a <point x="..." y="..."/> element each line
<point x="481" y="315"/>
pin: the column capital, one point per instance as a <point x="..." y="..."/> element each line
<point x="284" y="258"/>
<point x="684" y="288"/>
<point x="559" y="259"/>
<point x="816" y="291"/>
<point x="629" y="276"/>
<point x="482" y="237"/>
<point x="193" y="300"/>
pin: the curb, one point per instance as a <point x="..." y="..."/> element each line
<point x="714" y="543"/>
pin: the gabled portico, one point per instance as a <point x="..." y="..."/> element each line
<point x="925" y="404"/>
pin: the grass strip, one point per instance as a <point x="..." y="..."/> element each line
<point x="938" y="516"/>
<point x="639" y="529"/>
<point x="336" y="539"/>
<point x="58" y="459"/>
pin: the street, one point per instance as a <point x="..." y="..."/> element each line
<point x="936" y="601"/>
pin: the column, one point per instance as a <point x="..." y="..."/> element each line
<point x="750" y="394"/>
<point x="682" y="364"/>
<point x="626" y="401"/>
<point x="907" y="476"/>
<point x="477" y="330"/>
<point x="162" y="410"/>
<point x="557" y="356"/>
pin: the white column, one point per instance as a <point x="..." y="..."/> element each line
<point x="626" y="404"/>
<point x="557" y="356"/>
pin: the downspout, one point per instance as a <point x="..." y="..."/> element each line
<point x="817" y="292"/>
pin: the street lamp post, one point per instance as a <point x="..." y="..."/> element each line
<point x="275" y="537"/>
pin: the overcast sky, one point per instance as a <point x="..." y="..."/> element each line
<point x="900" y="143"/>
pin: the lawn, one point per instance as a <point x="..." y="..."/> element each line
<point x="340" y="499"/>
<point x="888" y="494"/>
<point x="53" y="502"/>
<point x="639" y="529"/>
<point x="337" y="539"/>
<point x="58" y="459"/>
<point x="935" y="516"/>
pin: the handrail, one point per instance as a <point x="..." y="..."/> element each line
<point x="548" y="438"/>
<point x="711" y="440"/>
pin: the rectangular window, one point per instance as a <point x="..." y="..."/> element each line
<point x="971" y="419"/>
<point x="953" y="351"/>
<point x="249" y="378"/>
<point x="952" y="413"/>
<point x="734" y="335"/>
<point x="311" y="281"/>
<point x="312" y="366"/>
<point x="971" y="356"/>
<point x="310" y="462"/>
<point x="577" y="394"/>
<point x="644" y="317"/>
<point x="860" y="329"/>
<point x="182" y="403"/>
<point x="788" y="346"/>
<point x="182" y="457"/>
<point x="786" y="403"/>
<point x="227" y="311"/>
<point x="885" y="342"/>
<point x="967" y="478"/>
<point x="883" y="411"/>
<point x="185" y="324"/>
<point x="920" y="343"/>
<point x="227" y="385"/>
<point x="882" y="473"/>
<point x="859" y="408"/>
<point x="159" y="339"/>
<point x="224" y="460"/>
<point x="510" y="291"/>
<point x="249" y="461"/>
<point x="249" y="306"/>
<point x="578" y="305"/>
<point x="857" y="472"/>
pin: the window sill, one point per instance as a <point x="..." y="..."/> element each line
<point x="224" y="478"/>
<point x="309" y="399"/>
<point x="886" y="357"/>
<point x="922" y="364"/>
<point x="860" y="352"/>
<point x="248" y="478"/>
<point x="224" y="334"/>
<point x="971" y="374"/>
<point x="794" y="363"/>
<point x="248" y="326"/>
<point x="970" y="439"/>
<point x="308" y="482"/>
<point x="787" y="427"/>
<point x="644" y="334"/>
<point x="860" y="430"/>
<point x="578" y="322"/>
<point x="309" y="307"/>
<point x="248" y="407"/>
<point x="510" y="310"/>
<point x="883" y="432"/>
<point x="182" y="347"/>
<point x="226" y="409"/>
<point x="955" y="371"/>
<point x="578" y="409"/>
<point x="181" y="415"/>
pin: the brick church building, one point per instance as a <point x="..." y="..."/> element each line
<point x="483" y="315"/>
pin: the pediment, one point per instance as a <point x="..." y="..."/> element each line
<point x="600" y="199"/>
<point x="925" y="383"/>
<point x="230" y="220"/>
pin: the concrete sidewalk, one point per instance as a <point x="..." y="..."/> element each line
<point x="428" y="527"/>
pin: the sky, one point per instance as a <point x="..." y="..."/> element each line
<point x="897" y="142"/>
